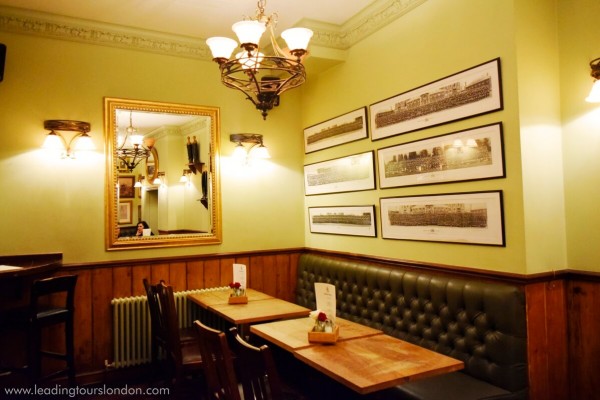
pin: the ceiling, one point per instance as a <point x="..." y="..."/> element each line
<point x="194" y="18"/>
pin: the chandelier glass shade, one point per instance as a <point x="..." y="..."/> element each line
<point x="133" y="148"/>
<point x="262" y="78"/>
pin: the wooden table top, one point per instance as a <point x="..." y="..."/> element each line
<point x="292" y="334"/>
<point x="259" y="311"/>
<point x="376" y="362"/>
<point x="214" y="297"/>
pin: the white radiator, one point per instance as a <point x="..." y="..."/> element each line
<point x="131" y="325"/>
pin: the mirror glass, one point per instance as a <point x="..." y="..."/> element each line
<point x="162" y="174"/>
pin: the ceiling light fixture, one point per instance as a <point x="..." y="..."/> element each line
<point x="133" y="148"/>
<point x="56" y="142"/>
<point x="256" y="149"/>
<point x="262" y="78"/>
<point x="594" y="96"/>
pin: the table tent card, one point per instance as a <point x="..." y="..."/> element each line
<point x="325" y="296"/>
<point x="239" y="274"/>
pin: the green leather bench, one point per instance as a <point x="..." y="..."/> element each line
<point x="481" y="323"/>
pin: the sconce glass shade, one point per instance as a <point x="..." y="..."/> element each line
<point x="249" y="31"/>
<point x="53" y="142"/>
<point x="297" y="38"/>
<point x="594" y="96"/>
<point x="138" y="184"/>
<point x="239" y="153"/>
<point x="221" y="47"/>
<point x="84" y="143"/>
<point x="157" y="181"/>
<point x="260" y="152"/>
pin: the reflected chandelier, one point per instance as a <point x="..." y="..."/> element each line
<point x="262" y="78"/>
<point x="140" y="148"/>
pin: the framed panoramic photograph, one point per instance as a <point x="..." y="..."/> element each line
<point x="343" y="220"/>
<point x="343" y="129"/>
<point x="475" y="91"/>
<point x="126" y="187"/>
<point x="125" y="212"/>
<point x="471" y="218"/>
<point x="470" y="154"/>
<point x="346" y="174"/>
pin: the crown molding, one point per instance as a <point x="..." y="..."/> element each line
<point x="365" y="23"/>
<point x="91" y="32"/>
<point x="371" y="19"/>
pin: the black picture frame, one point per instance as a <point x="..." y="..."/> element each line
<point x="471" y="154"/>
<point x="466" y="218"/>
<point x="474" y="91"/>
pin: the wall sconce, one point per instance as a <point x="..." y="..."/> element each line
<point x="594" y="96"/>
<point x="56" y="142"/>
<point x="256" y="148"/>
<point x="140" y="182"/>
<point x="185" y="177"/>
<point x="160" y="179"/>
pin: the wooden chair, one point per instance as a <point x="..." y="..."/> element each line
<point x="158" y="330"/>
<point x="46" y="309"/>
<point x="255" y="369"/>
<point x="218" y="364"/>
<point x="183" y="359"/>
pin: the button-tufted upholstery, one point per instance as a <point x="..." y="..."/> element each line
<point x="481" y="323"/>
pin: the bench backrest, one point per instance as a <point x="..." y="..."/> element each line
<point x="481" y="323"/>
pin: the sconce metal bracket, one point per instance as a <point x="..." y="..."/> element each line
<point x="67" y="125"/>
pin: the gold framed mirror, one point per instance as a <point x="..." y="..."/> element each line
<point x="179" y="197"/>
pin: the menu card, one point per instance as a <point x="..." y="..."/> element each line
<point x="325" y="295"/>
<point x="239" y="274"/>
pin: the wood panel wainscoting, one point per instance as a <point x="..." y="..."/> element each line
<point x="562" y="308"/>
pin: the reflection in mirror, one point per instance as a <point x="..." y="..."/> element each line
<point x="162" y="174"/>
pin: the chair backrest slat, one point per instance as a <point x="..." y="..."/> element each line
<point x="255" y="369"/>
<point x="218" y="364"/>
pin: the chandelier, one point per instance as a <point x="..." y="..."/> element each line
<point x="133" y="148"/>
<point x="262" y="78"/>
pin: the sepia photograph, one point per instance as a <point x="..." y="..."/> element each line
<point x="339" y="130"/>
<point x="466" y="155"/>
<point x="474" y="91"/>
<point x="126" y="187"/>
<point x="125" y="212"/>
<point x="346" y="174"/>
<point x="471" y="218"/>
<point x="343" y="220"/>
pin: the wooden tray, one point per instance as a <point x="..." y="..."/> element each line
<point x="238" y="300"/>
<point x="324" y="337"/>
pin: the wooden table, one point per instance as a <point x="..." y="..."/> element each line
<point x="377" y="362"/>
<point x="210" y="298"/>
<point x="261" y="307"/>
<point x="259" y="311"/>
<point x="292" y="334"/>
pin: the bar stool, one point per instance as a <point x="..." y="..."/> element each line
<point x="44" y="312"/>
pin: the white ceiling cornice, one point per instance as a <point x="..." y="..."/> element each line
<point x="15" y="20"/>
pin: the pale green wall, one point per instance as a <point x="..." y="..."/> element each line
<point x="544" y="45"/>
<point x="51" y="205"/>
<point x="435" y="40"/>
<point x="579" y="44"/>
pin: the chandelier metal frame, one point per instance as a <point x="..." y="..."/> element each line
<point x="133" y="156"/>
<point x="263" y="78"/>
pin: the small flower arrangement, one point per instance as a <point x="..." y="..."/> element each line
<point x="237" y="289"/>
<point x="322" y="323"/>
<point x="324" y="330"/>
